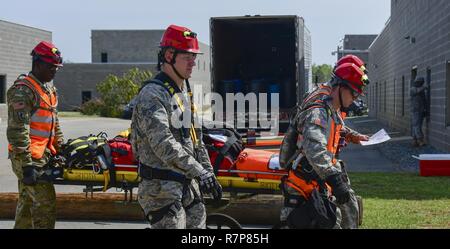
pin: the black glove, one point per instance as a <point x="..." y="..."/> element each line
<point x="209" y="185"/>
<point x="341" y="190"/>
<point x="30" y="175"/>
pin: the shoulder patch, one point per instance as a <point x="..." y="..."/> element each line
<point x="18" y="105"/>
<point x="320" y="122"/>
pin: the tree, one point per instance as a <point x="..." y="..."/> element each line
<point x="115" y="92"/>
<point x="321" y="73"/>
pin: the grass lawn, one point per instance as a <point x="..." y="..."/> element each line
<point x="402" y="200"/>
<point x="75" y="115"/>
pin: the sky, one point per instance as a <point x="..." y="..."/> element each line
<point x="71" y="22"/>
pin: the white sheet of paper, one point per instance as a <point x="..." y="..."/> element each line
<point x="377" y="138"/>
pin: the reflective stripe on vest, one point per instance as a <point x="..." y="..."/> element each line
<point x="43" y="120"/>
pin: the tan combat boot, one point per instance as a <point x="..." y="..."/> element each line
<point x="421" y="142"/>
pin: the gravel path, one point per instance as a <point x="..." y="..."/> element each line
<point x="398" y="150"/>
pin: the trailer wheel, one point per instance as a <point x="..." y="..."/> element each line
<point x="221" y="221"/>
<point x="360" y="210"/>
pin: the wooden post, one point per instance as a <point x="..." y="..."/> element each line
<point x="260" y="209"/>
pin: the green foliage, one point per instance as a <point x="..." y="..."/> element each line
<point x="92" y="107"/>
<point x="115" y="92"/>
<point x="321" y="73"/>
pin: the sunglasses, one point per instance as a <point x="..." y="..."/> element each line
<point x="354" y="93"/>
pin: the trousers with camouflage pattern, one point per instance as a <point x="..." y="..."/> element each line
<point x="172" y="205"/>
<point x="36" y="206"/>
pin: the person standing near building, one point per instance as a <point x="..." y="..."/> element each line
<point x="34" y="136"/>
<point x="174" y="164"/>
<point x="309" y="151"/>
<point x="418" y="110"/>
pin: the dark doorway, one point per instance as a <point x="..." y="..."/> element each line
<point x="86" y="96"/>
<point x="395" y="97"/>
<point x="104" y="57"/>
<point x="428" y="92"/>
<point x="403" y="95"/>
<point x="2" y="89"/>
<point x="447" y="86"/>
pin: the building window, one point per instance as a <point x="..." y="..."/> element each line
<point x="86" y="96"/>
<point x="385" y="96"/>
<point x="373" y="98"/>
<point x="104" y="57"/>
<point x="447" y="97"/>
<point x="395" y="98"/>
<point x="403" y="96"/>
<point x="2" y="89"/>
<point x="429" y="92"/>
<point x="377" y="98"/>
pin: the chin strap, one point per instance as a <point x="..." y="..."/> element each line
<point x="173" y="67"/>
<point x="343" y="108"/>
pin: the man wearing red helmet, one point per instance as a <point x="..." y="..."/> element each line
<point x="34" y="135"/>
<point x="350" y="58"/>
<point x="309" y="152"/>
<point x="174" y="163"/>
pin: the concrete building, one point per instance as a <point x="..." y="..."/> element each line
<point x="77" y="82"/>
<point x="16" y="43"/>
<point x="125" y="46"/>
<point x="357" y="45"/>
<point x="116" y="52"/>
<point x="415" y="42"/>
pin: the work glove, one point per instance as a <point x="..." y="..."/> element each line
<point x="30" y="175"/>
<point x="341" y="190"/>
<point x="209" y="185"/>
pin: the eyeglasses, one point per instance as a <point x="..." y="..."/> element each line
<point x="188" y="57"/>
<point x="354" y="93"/>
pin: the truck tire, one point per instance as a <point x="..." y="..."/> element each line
<point x="360" y="210"/>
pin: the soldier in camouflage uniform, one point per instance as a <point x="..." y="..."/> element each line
<point x="174" y="164"/>
<point x="418" y="110"/>
<point x="311" y="143"/>
<point x="34" y="135"/>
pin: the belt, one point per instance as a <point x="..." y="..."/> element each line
<point x="149" y="173"/>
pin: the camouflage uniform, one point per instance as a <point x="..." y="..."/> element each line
<point x="36" y="204"/>
<point x="157" y="144"/>
<point x="313" y="125"/>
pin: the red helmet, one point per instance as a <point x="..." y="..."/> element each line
<point x="353" y="59"/>
<point x="181" y="39"/>
<point x="351" y="75"/>
<point x="47" y="52"/>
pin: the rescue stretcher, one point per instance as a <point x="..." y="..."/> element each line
<point x="255" y="171"/>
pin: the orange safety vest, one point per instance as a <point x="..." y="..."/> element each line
<point x="334" y="134"/>
<point x="43" y="120"/>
